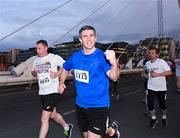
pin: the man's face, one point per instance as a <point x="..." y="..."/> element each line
<point x="152" y="54"/>
<point x="41" y="50"/>
<point x="88" y="39"/>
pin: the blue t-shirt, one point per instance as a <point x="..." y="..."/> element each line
<point x="91" y="80"/>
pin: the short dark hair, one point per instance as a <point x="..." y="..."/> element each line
<point x="44" y="42"/>
<point x="154" y="48"/>
<point x="87" y="27"/>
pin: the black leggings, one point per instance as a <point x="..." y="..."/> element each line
<point x="161" y="95"/>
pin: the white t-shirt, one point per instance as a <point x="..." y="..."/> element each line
<point x="44" y="65"/>
<point x="140" y="64"/>
<point x="177" y="63"/>
<point x="157" y="83"/>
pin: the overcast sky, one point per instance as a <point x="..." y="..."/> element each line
<point x="117" y="20"/>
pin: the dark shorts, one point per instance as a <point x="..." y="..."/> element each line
<point x="145" y="84"/>
<point x="95" y="120"/>
<point x="160" y="95"/>
<point x="49" y="102"/>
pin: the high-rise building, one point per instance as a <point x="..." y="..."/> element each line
<point x="8" y="59"/>
<point x="25" y="54"/>
<point x="14" y="53"/>
<point x="3" y="65"/>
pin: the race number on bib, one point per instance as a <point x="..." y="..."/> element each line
<point x="44" y="79"/>
<point x="81" y="75"/>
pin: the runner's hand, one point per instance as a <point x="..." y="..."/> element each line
<point x="34" y="71"/>
<point x="154" y="74"/>
<point x="111" y="57"/>
<point x="54" y="74"/>
<point x="61" y="88"/>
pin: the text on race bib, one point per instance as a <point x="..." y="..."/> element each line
<point x="81" y="75"/>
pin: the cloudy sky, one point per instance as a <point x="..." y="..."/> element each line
<point x="114" y="20"/>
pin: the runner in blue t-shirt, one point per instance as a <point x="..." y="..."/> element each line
<point x="92" y="69"/>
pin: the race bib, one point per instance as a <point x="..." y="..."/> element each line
<point x="44" y="79"/>
<point x="81" y="75"/>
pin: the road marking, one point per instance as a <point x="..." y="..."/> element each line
<point x="133" y="92"/>
<point x="69" y="112"/>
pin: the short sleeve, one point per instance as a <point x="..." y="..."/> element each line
<point x="165" y="65"/>
<point x="59" y="60"/>
<point x="68" y="65"/>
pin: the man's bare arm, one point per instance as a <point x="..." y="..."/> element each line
<point x="63" y="77"/>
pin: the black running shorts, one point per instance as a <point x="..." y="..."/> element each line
<point x="95" y="120"/>
<point x="161" y="96"/>
<point x="49" y="101"/>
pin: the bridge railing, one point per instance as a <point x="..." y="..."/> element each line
<point x="7" y="80"/>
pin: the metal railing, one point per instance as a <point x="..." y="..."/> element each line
<point x="8" y="80"/>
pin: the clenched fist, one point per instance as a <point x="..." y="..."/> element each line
<point x="111" y="57"/>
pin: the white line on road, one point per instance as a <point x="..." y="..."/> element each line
<point x="69" y="112"/>
<point x="133" y="92"/>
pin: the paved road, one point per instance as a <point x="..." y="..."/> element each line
<point x="20" y="112"/>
